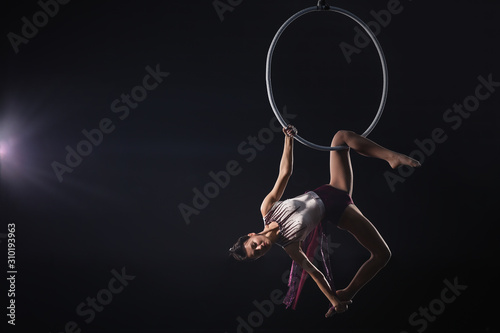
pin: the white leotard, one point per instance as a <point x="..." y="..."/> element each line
<point x="296" y="217"/>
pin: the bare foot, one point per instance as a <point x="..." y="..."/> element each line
<point x="401" y="159"/>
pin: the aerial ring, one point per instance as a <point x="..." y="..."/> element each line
<point x="382" y="61"/>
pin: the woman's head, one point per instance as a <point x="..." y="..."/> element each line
<point x="250" y="247"/>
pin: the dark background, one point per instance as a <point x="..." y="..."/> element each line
<point x="120" y="207"/>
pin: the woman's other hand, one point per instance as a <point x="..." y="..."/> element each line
<point x="339" y="308"/>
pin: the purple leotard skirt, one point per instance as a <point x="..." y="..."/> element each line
<point x="335" y="202"/>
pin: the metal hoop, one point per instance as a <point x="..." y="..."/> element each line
<point x="382" y="61"/>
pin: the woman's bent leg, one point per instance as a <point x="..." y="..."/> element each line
<point x="367" y="235"/>
<point x="369" y="148"/>
<point x="341" y="175"/>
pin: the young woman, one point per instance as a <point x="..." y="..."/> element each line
<point x="288" y="223"/>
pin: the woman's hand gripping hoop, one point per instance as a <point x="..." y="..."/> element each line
<point x="290" y="131"/>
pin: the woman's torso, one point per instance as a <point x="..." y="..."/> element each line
<point x="296" y="217"/>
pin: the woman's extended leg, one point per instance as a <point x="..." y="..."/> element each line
<point x="340" y="161"/>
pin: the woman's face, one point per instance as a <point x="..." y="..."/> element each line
<point x="257" y="245"/>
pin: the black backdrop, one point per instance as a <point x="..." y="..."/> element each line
<point x="117" y="210"/>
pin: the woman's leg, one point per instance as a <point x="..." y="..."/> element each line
<point x="367" y="235"/>
<point x="340" y="165"/>
<point x="340" y="162"/>
<point x="352" y="219"/>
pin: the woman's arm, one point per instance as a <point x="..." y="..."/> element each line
<point x="286" y="168"/>
<point x="295" y="252"/>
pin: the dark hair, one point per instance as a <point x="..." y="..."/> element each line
<point x="238" y="250"/>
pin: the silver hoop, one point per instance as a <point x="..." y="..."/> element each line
<point x="382" y="61"/>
